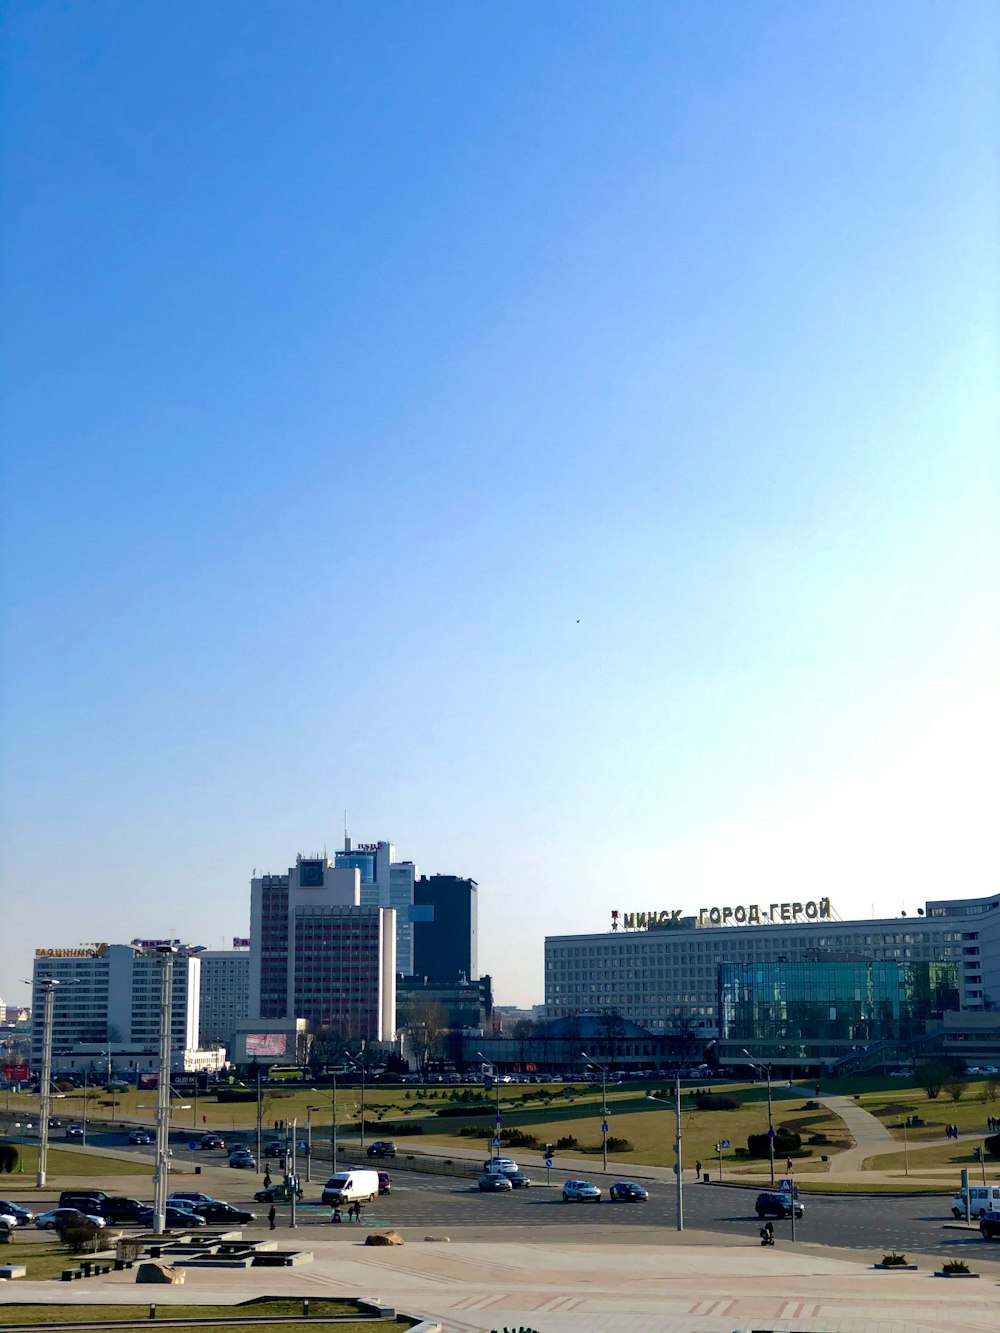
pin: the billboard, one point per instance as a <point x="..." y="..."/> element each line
<point x="148" y="1081"/>
<point x="267" y="1043"/>
<point x="18" y="1073"/>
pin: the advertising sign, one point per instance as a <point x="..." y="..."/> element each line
<point x="147" y="1081"/>
<point x="16" y="1073"/>
<point x="241" y="942"/>
<point x="267" y="1043"/>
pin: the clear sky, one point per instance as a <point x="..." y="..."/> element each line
<point x="563" y="435"/>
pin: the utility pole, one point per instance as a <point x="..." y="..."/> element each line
<point x="770" y="1112"/>
<point x="48" y="985"/>
<point x="162" y="1176"/>
<point x="293" y="1179"/>
<point x="677" y="1151"/>
<point x="259" y="1114"/>
<point x="604" y="1107"/>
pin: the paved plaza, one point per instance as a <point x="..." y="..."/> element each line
<point x="589" y="1282"/>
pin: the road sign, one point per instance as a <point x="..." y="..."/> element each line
<point x="496" y="1143"/>
<point x="770" y="1133"/>
<point x="724" y="1143"/>
<point x="548" y="1161"/>
<point x="604" y="1126"/>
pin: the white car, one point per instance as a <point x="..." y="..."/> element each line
<point x="505" y="1165"/>
<point x="66" y="1217"/>
<point x="582" y="1191"/>
<point x="901" y="1073"/>
<point x="988" y="1069"/>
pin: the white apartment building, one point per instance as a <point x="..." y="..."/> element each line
<point x="225" y="995"/>
<point x="110" y="993"/>
<point x="385" y="882"/>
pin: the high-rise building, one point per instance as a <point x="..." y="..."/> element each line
<point x="110" y="994"/>
<point x="446" y="928"/>
<point x="225" y="994"/>
<point x="385" y="882"/>
<point x="317" y="952"/>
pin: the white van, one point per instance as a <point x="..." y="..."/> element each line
<point x="355" y="1186"/>
<point x="982" y="1199"/>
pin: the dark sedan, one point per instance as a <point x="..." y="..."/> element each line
<point x="627" y="1191"/>
<point x="222" y="1213"/>
<point x="177" y="1219"/>
<point x="124" y="1212"/>
<point x="518" y="1180"/>
<point x="493" y="1181"/>
<point x="989" y="1226"/>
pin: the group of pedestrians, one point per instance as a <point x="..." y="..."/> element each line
<point x="951" y="1131"/>
<point x="993" y="1124"/>
<point x="353" y="1214"/>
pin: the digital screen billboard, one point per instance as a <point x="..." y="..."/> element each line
<point x="267" y="1043"/>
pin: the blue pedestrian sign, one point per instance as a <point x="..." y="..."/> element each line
<point x="724" y="1143"/>
<point x="496" y="1143"/>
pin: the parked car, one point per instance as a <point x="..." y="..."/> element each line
<point x="384" y="1182"/>
<point x="124" y="1212"/>
<point x="66" y="1217"/>
<point x="22" y="1216"/>
<point x="989" y="1225"/>
<point x="217" y="1212"/>
<point x="494" y="1181"/>
<point x="382" y="1148"/>
<point x="87" y="1201"/>
<point x="140" y="1136"/>
<point x="982" y="1199"/>
<point x="778" y="1205"/>
<point x="177" y="1219"/>
<point x="627" y="1191"/>
<point x="518" y="1180"/>
<point x="212" y="1141"/>
<point x="901" y="1073"/>
<point x="580" y="1191"/>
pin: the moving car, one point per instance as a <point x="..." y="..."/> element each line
<point x="384" y="1182"/>
<point x="505" y="1165"/>
<point x="982" y="1199"/>
<point x="580" y="1191"/>
<point x="219" y="1212"/>
<point x="74" y="1131"/>
<point x="22" y="1216"/>
<point x="778" y="1205"/>
<point x="492" y="1181"/>
<point x="242" y="1158"/>
<point x="277" y="1193"/>
<point x="382" y="1148"/>
<point x="140" y="1136"/>
<point x="627" y="1191"/>
<point x="212" y="1141"/>
<point x="177" y="1219"/>
<point x="518" y="1179"/>
<point x="274" y="1148"/>
<point x="66" y="1217"/>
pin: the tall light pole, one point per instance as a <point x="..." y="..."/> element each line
<point x="333" y="1119"/>
<point x="495" y="1141"/>
<point x="679" y="1167"/>
<point x="165" y="953"/>
<point x="48" y="985"/>
<point x="604" y="1105"/>
<point x="770" y="1113"/>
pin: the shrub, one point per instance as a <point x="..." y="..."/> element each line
<point x="128" y="1249"/>
<point x="84" y="1238"/>
<point x="956" y="1089"/>
<point x="818" y="1139"/>
<point x="463" y="1110"/>
<point x="955" y="1266"/>
<point x="786" y="1143"/>
<point x="517" y="1138"/>
<point x="932" y="1077"/>
<point x="9" y="1157"/>
<point x="894" y="1260"/>
<point x="619" y="1145"/>
<point x="716" y="1101"/>
<point x="569" y="1141"/>
<point x="993" y="1145"/>
<point x="811" y="1106"/>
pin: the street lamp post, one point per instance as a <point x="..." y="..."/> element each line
<point x="604" y="1106"/>
<point x="495" y="1141"/>
<point x="48" y="985"/>
<point x="679" y="1167"/>
<point x="333" y="1119"/>
<point x="770" y="1111"/>
<point x="309" y="1142"/>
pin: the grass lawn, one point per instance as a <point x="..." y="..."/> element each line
<point x="826" y="1185"/>
<point x="650" y="1130"/>
<point x="951" y="1154"/>
<point x="43" y="1258"/>
<point x="78" y="1312"/>
<point x="892" y="1106"/>
<point x="66" y="1162"/>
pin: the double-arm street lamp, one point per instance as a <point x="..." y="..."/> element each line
<point x="679" y="1165"/>
<point x="770" y="1114"/>
<point x="333" y="1117"/>
<point x="495" y="1141"/>
<point x="604" y="1105"/>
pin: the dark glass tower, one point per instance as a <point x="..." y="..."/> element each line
<point x="446" y="928"/>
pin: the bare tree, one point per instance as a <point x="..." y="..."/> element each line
<point x="425" y="1024"/>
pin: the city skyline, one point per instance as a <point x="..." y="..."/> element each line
<point x="563" y="437"/>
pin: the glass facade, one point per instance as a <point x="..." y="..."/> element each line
<point x="808" y="1010"/>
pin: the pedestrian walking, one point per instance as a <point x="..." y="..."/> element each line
<point x="267" y="1177"/>
<point x="336" y="1217"/>
<point x="272" y="1213"/>
<point x="697" y="1168"/>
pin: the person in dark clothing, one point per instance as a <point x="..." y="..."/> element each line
<point x="271" y="1215"/>
<point x="267" y="1177"/>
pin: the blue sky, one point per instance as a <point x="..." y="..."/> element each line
<point x="562" y="435"/>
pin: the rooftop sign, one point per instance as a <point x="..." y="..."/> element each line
<point x="756" y="914"/>
<point x="84" y="951"/>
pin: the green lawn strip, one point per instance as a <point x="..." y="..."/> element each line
<point x="948" y="1154"/>
<point x="892" y="1106"/>
<point x="283" y="1307"/>
<point x="140" y="1319"/>
<point x="66" y="1162"/>
<point x="830" y="1185"/>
